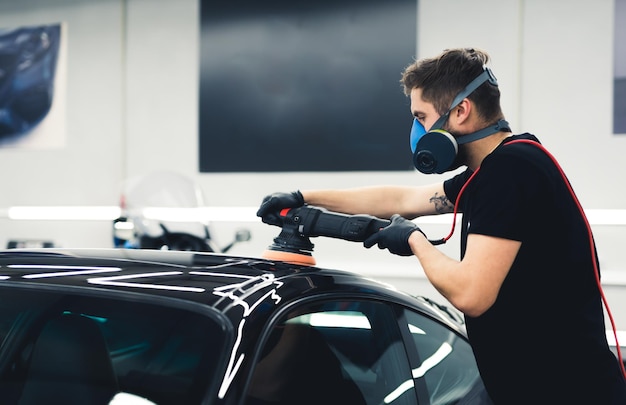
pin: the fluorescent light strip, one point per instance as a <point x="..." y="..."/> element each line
<point x="64" y="213"/>
<point x="606" y="217"/>
<point x="224" y="214"/>
<point x="621" y="337"/>
<point x="234" y="214"/>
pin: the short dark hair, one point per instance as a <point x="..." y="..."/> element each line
<point x="442" y="77"/>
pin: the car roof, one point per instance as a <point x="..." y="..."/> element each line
<point x="209" y="279"/>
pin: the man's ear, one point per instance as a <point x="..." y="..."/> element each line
<point x="461" y="112"/>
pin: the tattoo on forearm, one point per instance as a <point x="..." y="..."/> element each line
<point x="442" y="204"/>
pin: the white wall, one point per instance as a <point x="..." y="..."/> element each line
<point x="132" y="108"/>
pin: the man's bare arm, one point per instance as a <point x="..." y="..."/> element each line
<point x="383" y="201"/>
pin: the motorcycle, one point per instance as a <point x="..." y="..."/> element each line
<point x="179" y="226"/>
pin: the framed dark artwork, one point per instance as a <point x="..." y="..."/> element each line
<point x="305" y="86"/>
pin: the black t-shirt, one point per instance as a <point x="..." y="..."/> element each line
<point x="543" y="340"/>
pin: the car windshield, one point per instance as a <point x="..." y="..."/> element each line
<point x="91" y="347"/>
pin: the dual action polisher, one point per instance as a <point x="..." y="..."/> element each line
<point x="299" y="224"/>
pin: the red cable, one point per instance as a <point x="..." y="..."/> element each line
<point x="456" y="205"/>
<point x="589" y="232"/>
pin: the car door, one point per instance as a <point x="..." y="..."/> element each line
<point x="442" y="362"/>
<point x="336" y="351"/>
<point x="357" y="351"/>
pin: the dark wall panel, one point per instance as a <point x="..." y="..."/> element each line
<point x="305" y="86"/>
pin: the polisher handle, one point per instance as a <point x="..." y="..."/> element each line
<point x="315" y="221"/>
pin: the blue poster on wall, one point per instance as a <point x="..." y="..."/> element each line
<point x="28" y="72"/>
<point x="305" y="86"/>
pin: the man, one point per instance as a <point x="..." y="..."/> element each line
<point x="526" y="281"/>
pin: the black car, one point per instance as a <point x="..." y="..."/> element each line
<point x="125" y="326"/>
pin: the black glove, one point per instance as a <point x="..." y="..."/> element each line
<point x="394" y="237"/>
<point x="274" y="203"/>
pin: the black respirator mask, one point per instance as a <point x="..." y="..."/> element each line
<point x="435" y="151"/>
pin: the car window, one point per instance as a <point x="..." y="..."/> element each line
<point x="56" y="344"/>
<point x="336" y="352"/>
<point x="444" y="368"/>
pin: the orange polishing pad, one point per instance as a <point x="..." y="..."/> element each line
<point x="289" y="257"/>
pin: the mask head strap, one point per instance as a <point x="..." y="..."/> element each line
<point x="486" y="75"/>
<point x="501" y="125"/>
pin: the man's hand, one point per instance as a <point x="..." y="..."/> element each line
<point x="394" y="237"/>
<point x="274" y="203"/>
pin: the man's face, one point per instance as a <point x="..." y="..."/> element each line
<point x="424" y="112"/>
<point x="427" y="115"/>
